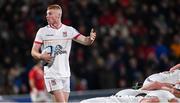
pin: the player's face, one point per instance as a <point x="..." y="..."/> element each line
<point x="52" y="16"/>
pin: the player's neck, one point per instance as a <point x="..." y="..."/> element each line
<point x="56" y="25"/>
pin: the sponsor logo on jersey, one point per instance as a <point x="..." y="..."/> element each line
<point x="49" y="34"/>
<point x="59" y="50"/>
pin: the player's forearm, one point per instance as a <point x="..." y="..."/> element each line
<point x="35" y="51"/>
<point x="85" y="40"/>
<point x="152" y="86"/>
<point x="177" y="66"/>
<point x="166" y="88"/>
<point x="88" y="41"/>
<point x="148" y="87"/>
<point x="36" y="55"/>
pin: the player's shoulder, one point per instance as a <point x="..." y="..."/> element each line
<point x="67" y="26"/>
<point x="44" y="27"/>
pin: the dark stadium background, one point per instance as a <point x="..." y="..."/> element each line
<point x="135" y="38"/>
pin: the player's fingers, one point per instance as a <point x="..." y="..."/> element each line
<point x="93" y="34"/>
<point x="47" y="56"/>
<point x="46" y="53"/>
<point x="93" y="38"/>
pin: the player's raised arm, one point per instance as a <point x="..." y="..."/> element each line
<point x="86" y="40"/>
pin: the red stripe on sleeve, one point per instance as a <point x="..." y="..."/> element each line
<point x="37" y="42"/>
<point x="77" y="36"/>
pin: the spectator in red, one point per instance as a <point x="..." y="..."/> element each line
<point x="36" y="81"/>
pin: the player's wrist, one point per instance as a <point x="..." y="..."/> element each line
<point x="90" y="39"/>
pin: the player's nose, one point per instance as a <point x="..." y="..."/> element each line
<point x="47" y="16"/>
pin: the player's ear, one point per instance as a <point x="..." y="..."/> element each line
<point x="59" y="15"/>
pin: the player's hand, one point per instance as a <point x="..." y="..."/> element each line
<point x="46" y="57"/>
<point x="175" y="67"/>
<point x="172" y="69"/>
<point x="92" y="34"/>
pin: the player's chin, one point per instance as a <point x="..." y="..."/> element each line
<point x="49" y="22"/>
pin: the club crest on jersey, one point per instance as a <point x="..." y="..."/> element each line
<point x="53" y="82"/>
<point x="65" y="34"/>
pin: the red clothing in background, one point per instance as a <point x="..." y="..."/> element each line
<point x="38" y="77"/>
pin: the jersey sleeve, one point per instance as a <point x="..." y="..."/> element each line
<point x="38" y="38"/>
<point x="75" y="33"/>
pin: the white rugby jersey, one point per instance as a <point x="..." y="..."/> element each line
<point x="165" y="77"/>
<point x="59" y="42"/>
<point x="163" y="95"/>
<point x="113" y="99"/>
<point x="124" y="99"/>
<point x="130" y="92"/>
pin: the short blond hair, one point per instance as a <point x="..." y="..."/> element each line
<point x="54" y="6"/>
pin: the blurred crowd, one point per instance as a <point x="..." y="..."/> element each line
<point x="135" y="38"/>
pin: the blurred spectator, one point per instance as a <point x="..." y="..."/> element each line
<point x="175" y="46"/>
<point x="36" y="81"/>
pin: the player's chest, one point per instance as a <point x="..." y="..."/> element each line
<point x="56" y="34"/>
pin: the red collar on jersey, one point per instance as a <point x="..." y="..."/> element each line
<point x="54" y="27"/>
